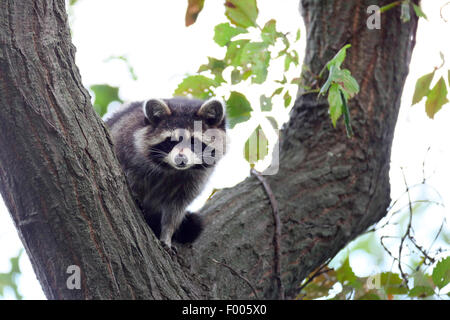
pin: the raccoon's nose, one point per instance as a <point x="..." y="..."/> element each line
<point x="181" y="160"/>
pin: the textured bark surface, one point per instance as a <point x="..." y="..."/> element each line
<point x="329" y="188"/>
<point x="71" y="206"/>
<point x="59" y="176"/>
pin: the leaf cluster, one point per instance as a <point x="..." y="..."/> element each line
<point x="9" y="279"/>
<point x="249" y="51"/>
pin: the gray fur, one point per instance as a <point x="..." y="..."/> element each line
<point x="158" y="185"/>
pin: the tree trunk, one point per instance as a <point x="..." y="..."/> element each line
<point x="59" y="176"/>
<point x="71" y="206"/>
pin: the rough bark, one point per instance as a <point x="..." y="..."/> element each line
<point x="329" y="188"/>
<point x="59" y="176"/>
<point x="71" y="206"/>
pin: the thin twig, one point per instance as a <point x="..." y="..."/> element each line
<point x="317" y="273"/>
<point x="423" y="166"/>
<point x="238" y="275"/>
<point x="407" y="232"/>
<point x="277" y="233"/>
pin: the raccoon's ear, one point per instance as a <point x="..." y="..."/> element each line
<point x="212" y="111"/>
<point x="155" y="110"/>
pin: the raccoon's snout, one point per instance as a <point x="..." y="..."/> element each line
<point x="181" y="160"/>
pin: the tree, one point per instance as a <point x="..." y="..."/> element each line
<point x="71" y="205"/>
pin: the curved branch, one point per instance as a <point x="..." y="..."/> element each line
<point x="329" y="188"/>
<point x="71" y="205"/>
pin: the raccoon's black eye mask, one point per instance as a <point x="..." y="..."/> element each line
<point x="169" y="143"/>
<point x="159" y="150"/>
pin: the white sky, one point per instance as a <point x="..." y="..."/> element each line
<point x="161" y="50"/>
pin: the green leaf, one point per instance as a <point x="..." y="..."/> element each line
<point x="392" y="283"/>
<point x="257" y="146"/>
<point x="436" y="98"/>
<point x="288" y="59"/>
<point x="370" y="296"/>
<point x="104" y="95"/>
<point x="224" y="32"/>
<point x="238" y="108"/>
<point x="287" y="99"/>
<point x="15" y="263"/>
<point x="197" y="85"/>
<point x="10" y="279"/>
<point x="339" y="58"/>
<point x="277" y="92"/>
<point x="297" y="36"/>
<point x="329" y="81"/>
<point x="256" y="57"/>
<point x="335" y="103"/>
<point x="234" y="52"/>
<point x="346" y="111"/>
<point x="441" y="273"/>
<point x="422" y="87"/>
<point x="421" y="291"/>
<point x="282" y="81"/>
<point x="419" y="12"/>
<point x="242" y="13"/>
<point x="216" y="67"/>
<point x="269" y="33"/>
<point x="345" y="79"/>
<point x="246" y="74"/>
<point x="346" y="276"/>
<point x="265" y="103"/>
<point x="236" y="76"/>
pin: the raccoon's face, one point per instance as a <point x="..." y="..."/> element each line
<point x="182" y="133"/>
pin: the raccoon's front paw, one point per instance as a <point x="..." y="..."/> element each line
<point x="172" y="250"/>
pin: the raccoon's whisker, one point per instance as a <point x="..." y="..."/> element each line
<point x="158" y="153"/>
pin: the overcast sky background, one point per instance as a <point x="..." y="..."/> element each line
<point x="162" y="51"/>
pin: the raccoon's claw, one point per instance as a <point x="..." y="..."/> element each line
<point x="172" y="250"/>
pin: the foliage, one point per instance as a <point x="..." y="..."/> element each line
<point x="193" y="9"/>
<point x="250" y="50"/>
<point x="9" y="279"/>
<point x="341" y="283"/>
<point x="340" y="86"/>
<point x="436" y="97"/>
<point x="104" y="95"/>
<point x="420" y="274"/>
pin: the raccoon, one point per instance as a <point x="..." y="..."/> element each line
<point x="168" y="149"/>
